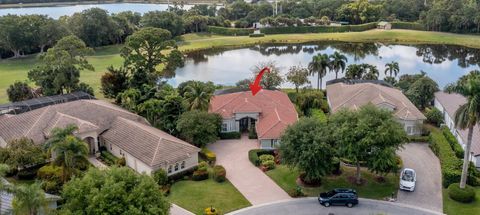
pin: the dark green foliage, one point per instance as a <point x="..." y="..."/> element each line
<point x="201" y="173"/>
<point x="421" y="92"/>
<point x="230" y="135"/>
<point x="19" y="91"/>
<point x="27" y="174"/>
<point x="22" y="153"/>
<point x="451" y="165"/>
<point x="418" y="139"/>
<point x="457" y="149"/>
<point x="52" y="178"/>
<point x="114" y="81"/>
<point x="229" y="31"/>
<point x="297" y="192"/>
<point x="208" y="155"/>
<point x="257" y="35"/>
<point x="434" y="116"/>
<point x="164" y="19"/>
<point x="94" y="26"/>
<point x="108" y="158"/>
<point x="160" y="176"/>
<point x="465" y="195"/>
<point x="254" y="154"/>
<point x="199" y="128"/>
<point x="252" y="133"/>
<point x="219" y="173"/>
<point x="319" y="29"/>
<point x="84" y="88"/>
<point x="121" y="162"/>
<point x="408" y="25"/>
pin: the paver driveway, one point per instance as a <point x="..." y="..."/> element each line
<point x="428" y="190"/>
<point x="257" y="187"/>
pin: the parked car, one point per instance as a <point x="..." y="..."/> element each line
<point x="339" y="196"/>
<point x="408" y="177"/>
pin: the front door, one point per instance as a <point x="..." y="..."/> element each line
<point x="244" y="124"/>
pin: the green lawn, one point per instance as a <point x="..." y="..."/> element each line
<point x="17" y="69"/>
<point x="195" y="196"/>
<point x="452" y="207"/>
<point x="286" y="179"/>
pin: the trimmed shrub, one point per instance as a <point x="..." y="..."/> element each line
<point x="408" y="25"/>
<point x="230" y="135"/>
<point x="434" y="116"/>
<point x="182" y="175"/>
<point x="269" y="164"/>
<point x="219" y="173"/>
<point x="208" y="155"/>
<point x="255" y="153"/>
<point x="319" y="114"/>
<point x="418" y="139"/>
<point x="319" y="29"/>
<point x="451" y="165"/>
<point x="160" y="176"/>
<point x="257" y="35"/>
<point x="297" y="192"/>
<point x="201" y="173"/>
<point x="50" y="172"/>
<point x="465" y="195"/>
<point x="108" y="158"/>
<point x="453" y="142"/>
<point x="229" y="31"/>
<point x="252" y="133"/>
<point x="121" y="162"/>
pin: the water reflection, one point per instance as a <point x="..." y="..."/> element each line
<point x="443" y="63"/>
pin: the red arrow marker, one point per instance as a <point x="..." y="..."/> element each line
<point x="255" y="87"/>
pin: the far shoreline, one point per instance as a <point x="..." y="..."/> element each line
<point x="73" y="3"/>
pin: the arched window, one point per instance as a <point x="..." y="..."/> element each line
<point x="183" y="165"/>
<point x="176" y="167"/>
<point x="170" y="169"/>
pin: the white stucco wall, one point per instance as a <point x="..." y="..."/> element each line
<point x="190" y="162"/>
<point x="231" y="125"/>
<point x="131" y="161"/>
<point x="412" y="127"/>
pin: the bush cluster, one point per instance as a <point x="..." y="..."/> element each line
<point x="52" y="178"/>
<point x="230" y="135"/>
<point x="434" y="116"/>
<point x="408" y="25"/>
<point x="229" y="31"/>
<point x="108" y="158"/>
<point x="208" y="155"/>
<point x="257" y="35"/>
<point x="319" y="29"/>
<point x="451" y="165"/>
<point x="267" y="161"/>
<point x="254" y="154"/>
<point x="465" y="195"/>
<point x="160" y="176"/>
<point x="219" y="173"/>
<point x="297" y="192"/>
<point x="453" y="142"/>
<point x="418" y="139"/>
<point x="201" y="173"/>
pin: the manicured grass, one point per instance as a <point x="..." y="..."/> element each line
<point x="452" y="207"/>
<point x="17" y="69"/>
<point x="195" y="196"/>
<point x="286" y="179"/>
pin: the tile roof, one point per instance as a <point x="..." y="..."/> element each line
<point x="341" y="95"/>
<point x="129" y="131"/>
<point x="451" y="102"/>
<point x="275" y="108"/>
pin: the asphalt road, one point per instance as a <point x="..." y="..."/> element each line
<point x="310" y="206"/>
<point x="428" y="188"/>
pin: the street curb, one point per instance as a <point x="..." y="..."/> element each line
<point x="315" y="199"/>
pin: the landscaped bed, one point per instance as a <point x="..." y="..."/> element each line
<point x="286" y="179"/>
<point x="451" y="207"/>
<point x="195" y="196"/>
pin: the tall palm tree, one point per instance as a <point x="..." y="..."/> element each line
<point x="57" y="135"/>
<point x="392" y="68"/>
<point x="319" y="65"/>
<point x="69" y="154"/>
<point x="28" y="199"/>
<point x="371" y="72"/>
<point x="339" y="62"/>
<point x="468" y="115"/>
<point x="197" y="96"/>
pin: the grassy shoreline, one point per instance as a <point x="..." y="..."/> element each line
<point x="17" y="69"/>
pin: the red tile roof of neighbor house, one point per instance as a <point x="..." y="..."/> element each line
<point x="451" y="102"/>
<point x="275" y="108"/>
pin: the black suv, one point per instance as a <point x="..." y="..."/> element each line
<point x="338" y="196"/>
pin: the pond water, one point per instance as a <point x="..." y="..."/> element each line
<point x="444" y="64"/>
<point x="58" y="11"/>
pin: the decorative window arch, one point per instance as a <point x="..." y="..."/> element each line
<point x="176" y="166"/>
<point x="183" y="165"/>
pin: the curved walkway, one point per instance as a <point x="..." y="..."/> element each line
<point x="309" y="206"/>
<point x="255" y="185"/>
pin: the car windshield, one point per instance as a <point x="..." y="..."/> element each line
<point x="331" y="193"/>
<point x="407" y="175"/>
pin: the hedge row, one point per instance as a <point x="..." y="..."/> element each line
<point x="408" y="25"/>
<point x="229" y="31"/>
<point x="418" y="139"/>
<point x="453" y="142"/>
<point x="450" y="164"/>
<point x="254" y="154"/>
<point x="319" y="29"/>
<point x="108" y="158"/>
<point x="230" y="135"/>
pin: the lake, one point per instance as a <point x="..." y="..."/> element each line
<point x="58" y="11"/>
<point x="443" y="63"/>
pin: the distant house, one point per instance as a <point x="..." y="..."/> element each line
<point x="269" y="112"/>
<point x="384" y="25"/>
<point x="448" y="104"/>
<point x="103" y="125"/>
<point x="353" y="95"/>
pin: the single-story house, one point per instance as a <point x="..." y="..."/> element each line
<point x="353" y="95"/>
<point x="448" y="103"/>
<point x="384" y="25"/>
<point x="103" y="125"/>
<point x="269" y="112"/>
<point x="6" y="199"/>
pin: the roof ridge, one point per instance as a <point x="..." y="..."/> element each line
<point x="354" y="95"/>
<point x="116" y="108"/>
<point x="72" y="117"/>
<point x="270" y="128"/>
<point x="156" y="151"/>
<point x="36" y="121"/>
<point x="228" y="102"/>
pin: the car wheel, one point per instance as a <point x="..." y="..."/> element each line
<point x="349" y="205"/>
<point x="326" y="204"/>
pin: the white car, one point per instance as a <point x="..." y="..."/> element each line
<point x="408" y="177"/>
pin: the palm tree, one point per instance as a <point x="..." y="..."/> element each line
<point x="28" y="199"/>
<point x="57" y="135"/>
<point x="69" y="154"/>
<point x="338" y="62"/>
<point x="197" y="96"/>
<point x="319" y="65"/>
<point x="468" y="115"/>
<point x="392" y="68"/>
<point x="371" y="72"/>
